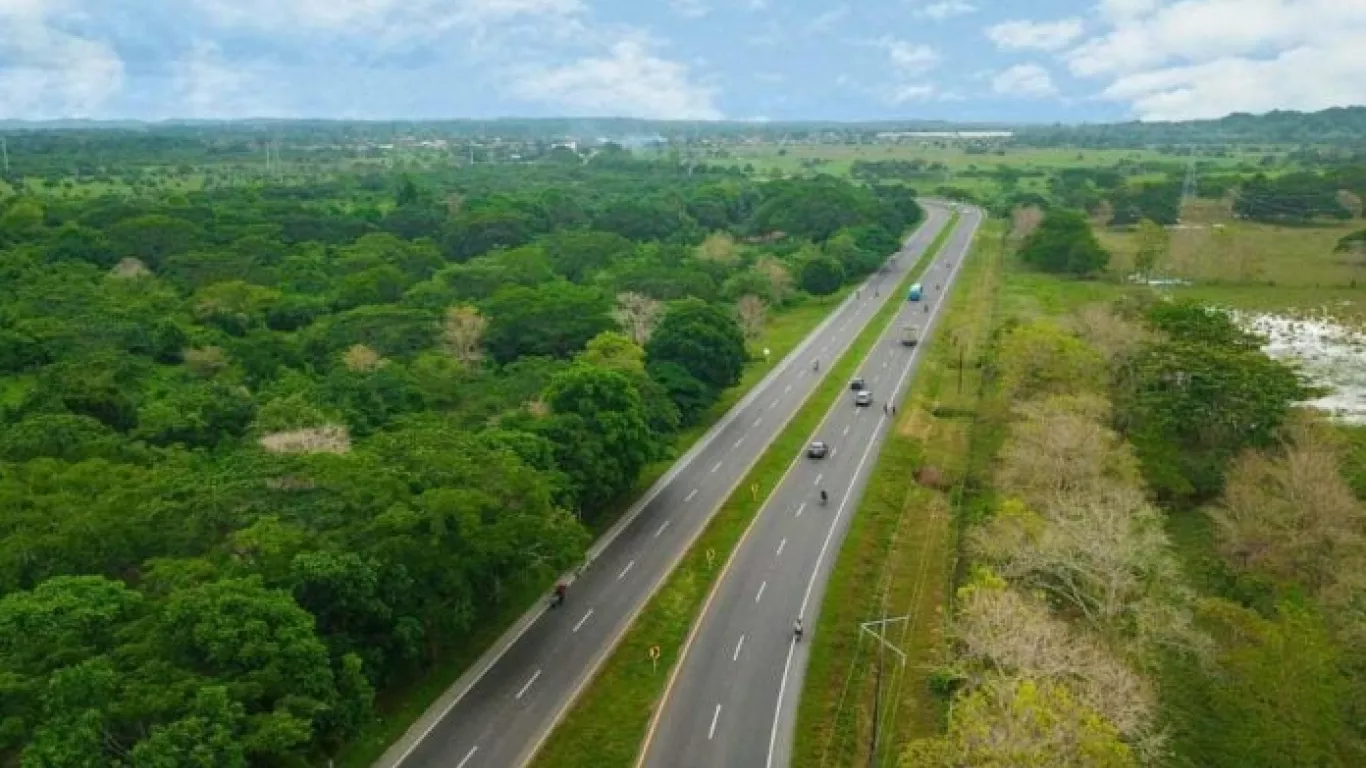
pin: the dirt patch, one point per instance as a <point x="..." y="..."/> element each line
<point x="329" y="439"/>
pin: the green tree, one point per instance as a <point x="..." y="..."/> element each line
<point x="702" y="338"/>
<point x="821" y="275"/>
<point x="1154" y="243"/>
<point x="576" y="255"/>
<point x="1064" y="243"/>
<point x="555" y="319"/>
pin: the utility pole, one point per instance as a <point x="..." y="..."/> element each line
<point x="1188" y="186"/>
<point x="883" y="645"/>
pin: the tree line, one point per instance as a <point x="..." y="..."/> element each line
<point x="1083" y="634"/>
<point x="268" y="451"/>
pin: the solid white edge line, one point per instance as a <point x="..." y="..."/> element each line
<point x="834" y="523"/>
<point x="513" y="634"/>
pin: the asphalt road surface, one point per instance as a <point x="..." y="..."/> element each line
<point x="733" y="699"/>
<point x="502" y="710"/>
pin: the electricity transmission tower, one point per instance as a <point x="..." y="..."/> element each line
<point x="883" y="646"/>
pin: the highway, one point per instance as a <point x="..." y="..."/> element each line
<point x="732" y="700"/>
<point x="503" y="708"/>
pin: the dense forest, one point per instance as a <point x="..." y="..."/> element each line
<point x="266" y="451"/>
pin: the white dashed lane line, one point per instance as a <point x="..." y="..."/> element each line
<point x="711" y="732"/>
<point x="691" y="494"/>
<point x="781" y="544"/>
<point x="718" y="466"/>
<point x="735" y="656"/>
<point x="467" y="757"/>
<point x="661" y="529"/>
<point x="760" y="595"/>
<point x="522" y="692"/>
<point x="800" y="508"/>
<point x="626" y="570"/>
<point x="818" y="479"/>
<point x="581" y="621"/>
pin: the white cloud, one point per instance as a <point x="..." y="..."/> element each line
<point x="207" y="86"/>
<point x="945" y="9"/>
<point x="394" y="21"/>
<point x="1035" y="35"/>
<point x="1205" y="58"/>
<point x="51" y="73"/>
<point x="630" y="82"/>
<point x="824" y="21"/>
<point x="1024" y="80"/>
<point x="757" y="5"/>
<point x="910" y="57"/>
<point x="908" y="92"/>
<point x="692" y="9"/>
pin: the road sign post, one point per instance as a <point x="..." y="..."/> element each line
<point x="654" y="658"/>
<point x="711" y="557"/>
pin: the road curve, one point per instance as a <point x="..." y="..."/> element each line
<point x="733" y="698"/>
<point x="500" y="712"/>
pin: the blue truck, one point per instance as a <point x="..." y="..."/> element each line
<point x="915" y="293"/>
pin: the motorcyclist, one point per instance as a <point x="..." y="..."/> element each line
<point x="560" y="590"/>
<point x="815" y="365"/>
<point x="824" y="497"/>
<point x="797" y="628"/>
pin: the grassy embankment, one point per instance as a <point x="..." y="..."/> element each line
<point x="400" y="706"/>
<point x="606" y="725"/>
<point x="902" y="540"/>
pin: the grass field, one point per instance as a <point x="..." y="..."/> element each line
<point x="898" y="558"/>
<point x="404" y="704"/>
<point x="609" y="720"/>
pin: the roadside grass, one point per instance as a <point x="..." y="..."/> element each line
<point x="606" y="725"/>
<point x="401" y="705"/>
<point x="898" y="557"/>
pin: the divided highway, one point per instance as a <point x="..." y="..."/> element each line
<point x="498" y="714"/>
<point x="733" y="698"/>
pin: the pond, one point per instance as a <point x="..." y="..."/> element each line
<point x="1330" y="352"/>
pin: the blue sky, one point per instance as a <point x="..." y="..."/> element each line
<point x="966" y="60"/>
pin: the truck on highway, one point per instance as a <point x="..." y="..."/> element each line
<point x="910" y="335"/>
<point x="916" y="292"/>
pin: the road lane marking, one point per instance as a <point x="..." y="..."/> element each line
<point x="757" y="422"/>
<point x="626" y="570"/>
<point x="691" y="494"/>
<point x="787" y="389"/>
<point x="760" y="596"/>
<point x="811" y="583"/>
<point x="800" y="507"/>
<point x="781" y="544"/>
<point x="581" y="621"/>
<point x="711" y="732"/>
<point x="736" y="656"/>
<point x="522" y="692"/>
<point x="737" y="443"/>
<point x="661" y="528"/>
<point x="935" y="221"/>
<point x="818" y="479"/>
<point x="773" y="404"/>
<point x="832" y="452"/>
<point x="718" y="466"/>
<point x="467" y="757"/>
<point x="845" y="433"/>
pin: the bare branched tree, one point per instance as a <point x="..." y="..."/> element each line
<point x="362" y="359"/>
<point x="1290" y="515"/>
<point x="638" y="314"/>
<point x="779" y="278"/>
<point x="752" y="312"/>
<point x="462" y="334"/>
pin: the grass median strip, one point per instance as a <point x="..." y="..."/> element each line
<point x="897" y="559"/>
<point x="606" y="725"/>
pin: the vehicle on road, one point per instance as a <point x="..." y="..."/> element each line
<point x="910" y="335"/>
<point x="863" y="398"/>
<point x="825" y="497"/>
<point x="817" y="450"/>
<point x="857" y="383"/>
<point x="916" y="292"/>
